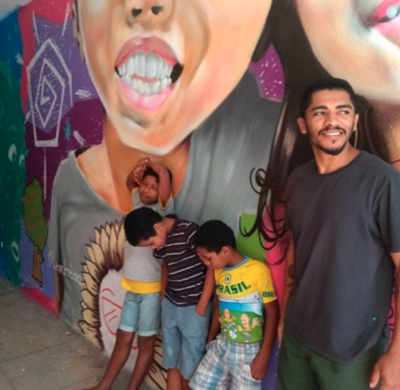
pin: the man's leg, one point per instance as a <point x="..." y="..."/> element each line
<point x="295" y="371"/>
<point x="143" y="361"/>
<point x="352" y="376"/>
<point x="119" y="356"/>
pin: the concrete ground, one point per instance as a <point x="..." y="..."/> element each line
<point x="40" y="352"/>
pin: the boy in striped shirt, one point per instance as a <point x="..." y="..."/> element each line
<point x="185" y="289"/>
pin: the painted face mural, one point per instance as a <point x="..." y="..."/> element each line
<point x="197" y="85"/>
<point x="160" y="74"/>
<point x="161" y="71"/>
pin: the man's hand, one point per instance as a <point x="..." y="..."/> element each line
<point x="258" y="366"/>
<point x="387" y="370"/>
<point x="201" y="309"/>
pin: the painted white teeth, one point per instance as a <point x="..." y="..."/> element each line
<point x="164" y="83"/>
<point x="146" y="65"/>
<point x="151" y="65"/>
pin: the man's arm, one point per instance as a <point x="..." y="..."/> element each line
<point x="206" y="295"/>
<point x="288" y="286"/>
<point x="215" y="326"/>
<point x="164" y="184"/>
<point x="260" y="362"/>
<point x="387" y="370"/>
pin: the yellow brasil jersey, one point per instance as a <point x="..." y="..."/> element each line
<point x="243" y="290"/>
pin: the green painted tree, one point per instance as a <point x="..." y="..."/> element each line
<point x="35" y="225"/>
<point x="12" y="173"/>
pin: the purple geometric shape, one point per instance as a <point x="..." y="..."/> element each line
<point x="46" y="99"/>
<point x="48" y="66"/>
<point x="62" y="35"/>
<point x="270" y="75"/>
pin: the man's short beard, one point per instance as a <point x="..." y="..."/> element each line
<point x="332" y="151"/>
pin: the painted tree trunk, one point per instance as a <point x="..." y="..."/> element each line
<point x="37" y="265"/>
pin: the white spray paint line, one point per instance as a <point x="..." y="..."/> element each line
<point x="44" y="175"/>
<point x="67" y="12"/>
<point x="79" y="138"/>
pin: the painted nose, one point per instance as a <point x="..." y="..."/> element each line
<point x="148" y="12"/>
<point x="155" y="10"/>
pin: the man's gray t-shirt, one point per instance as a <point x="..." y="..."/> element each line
<point x="139" y="263"/>
<point x="344" y="225"/>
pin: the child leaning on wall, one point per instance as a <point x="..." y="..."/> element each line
<point x="238" y="357"/>
<point x="187" y="289"/>
<point x="150" y="185"/>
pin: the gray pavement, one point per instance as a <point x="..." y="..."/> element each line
<point x="40" y="352"/>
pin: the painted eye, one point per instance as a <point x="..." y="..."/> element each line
<point x="21" y="160"/>
<point x="12" y="153"/>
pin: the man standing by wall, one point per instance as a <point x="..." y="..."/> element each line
<point x="343" y="211"/>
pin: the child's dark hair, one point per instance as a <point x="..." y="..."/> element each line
<point x="151" y="172"/>
<point x="213" y="235"/>
<point x="139" y="225"/>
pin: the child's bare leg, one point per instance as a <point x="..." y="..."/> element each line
<point x="185" y="384"/>
<point x="119" y="356"/>
<point x="174" y="381"/>
<point x="143" y="362"/>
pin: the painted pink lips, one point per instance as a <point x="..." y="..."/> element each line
<point x="148" y="70"/>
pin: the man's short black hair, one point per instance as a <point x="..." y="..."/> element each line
<point x="213" y="235"/>
<point x="139" y="225"/>
<point x="151" y="172"/>
<point x="328" y="83"/>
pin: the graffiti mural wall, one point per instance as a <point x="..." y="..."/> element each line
<point x="89" y="87"/>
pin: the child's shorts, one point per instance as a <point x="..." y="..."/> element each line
<point x="226" y="366"/>
<point x="141" y="313"/>
<point x="184" y="335"/>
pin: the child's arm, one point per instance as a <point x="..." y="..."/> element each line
<point x="260" y="362"/>
<point x="136" y="175"/>
<point x="164" y="185"/>
<point x="164" y="279"/>
<point x="206" y="295"/>
<point x="215" y="326"/>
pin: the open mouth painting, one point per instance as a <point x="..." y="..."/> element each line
<point x="148" y="70"/>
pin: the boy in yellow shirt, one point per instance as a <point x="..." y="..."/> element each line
<point x="238" y="357"/>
